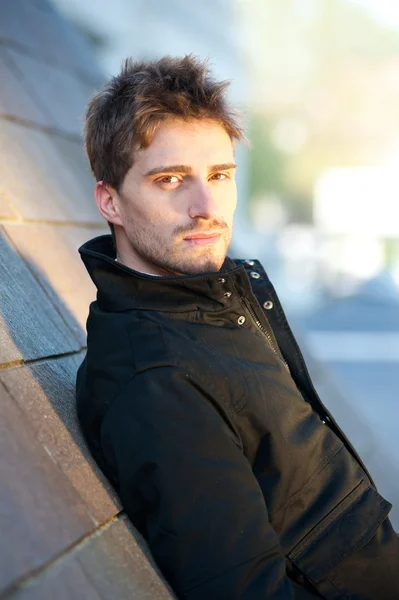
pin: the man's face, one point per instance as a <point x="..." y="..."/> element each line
<point x="177" y="202"/>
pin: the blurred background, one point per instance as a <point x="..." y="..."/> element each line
<point x="318" y="83"/>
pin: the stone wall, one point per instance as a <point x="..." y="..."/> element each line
<point x="63" y="533"/>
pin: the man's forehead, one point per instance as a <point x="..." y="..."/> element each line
<point x="187" y="143"/>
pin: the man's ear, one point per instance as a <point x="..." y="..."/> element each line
<point x="107" y="200"/>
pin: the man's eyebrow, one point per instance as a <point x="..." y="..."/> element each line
<point x="222" y="167"/>
<point x="188" y="170"/>
<point x="169" y="169"/>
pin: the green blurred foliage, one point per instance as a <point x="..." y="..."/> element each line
<point x="267" y="162"/>
<point x="333" y="67"/>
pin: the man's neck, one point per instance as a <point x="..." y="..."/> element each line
<point x="144" y="273"/>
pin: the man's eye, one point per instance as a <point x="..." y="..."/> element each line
<point x="168" y="179"/>
<point x="219" y="176"/>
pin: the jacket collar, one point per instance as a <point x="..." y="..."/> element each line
<point x="121" y="288"/>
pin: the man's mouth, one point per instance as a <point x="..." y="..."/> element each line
<point x="203" y="239"/>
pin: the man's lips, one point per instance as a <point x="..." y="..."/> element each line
<point x="203" y="239"/>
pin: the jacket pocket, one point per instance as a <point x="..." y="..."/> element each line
<point x="348" y="527"/>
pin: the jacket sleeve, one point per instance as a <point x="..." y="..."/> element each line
<point x="186" y="484"/>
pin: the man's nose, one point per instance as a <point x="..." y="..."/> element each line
<point x="203" y="203"/>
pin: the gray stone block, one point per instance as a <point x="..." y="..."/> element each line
<point x="14" y="22"/>
<point x="15" y="99"/>
<point x="59" y="92"/>
<point x="37" y="27"/>
<point x="75" y="160"/>
<point x="45" y="392"/>
<point x="40" y="513"/>
<point x="45" y="248"/>
<point x="120" y="566"/>
<point x="110" y="565"/>
<point x="65" y="581"/>
<point x="30" y="325"/>
<point x="6" y="210"/>
<point x="39" y="182"/>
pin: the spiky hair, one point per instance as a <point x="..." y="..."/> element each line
<point x="125" y="114"/>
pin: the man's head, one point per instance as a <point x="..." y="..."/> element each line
<point x="160" y="140"/>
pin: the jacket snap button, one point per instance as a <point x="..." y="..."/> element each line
<point x="227" y="295"/>
<point x="241" y="320"/>
<point x="221" y="280"/>
<point x="268" y="304"/>
<point x="250" y="263"/>
<point x="254" y="275"/>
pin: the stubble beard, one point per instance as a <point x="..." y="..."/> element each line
<point x="173" y="256"/>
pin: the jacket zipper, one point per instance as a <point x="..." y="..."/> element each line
<point x="265" y="332"/>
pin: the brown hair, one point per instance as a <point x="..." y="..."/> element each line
<point x="125" y="114"/>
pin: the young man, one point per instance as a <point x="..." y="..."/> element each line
<point x="194" y="397"/>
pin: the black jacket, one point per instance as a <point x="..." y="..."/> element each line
<point x="196" y="403"/>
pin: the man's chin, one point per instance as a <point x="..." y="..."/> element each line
<point x="200" y="264"/>
<point x="193" y="259"/>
